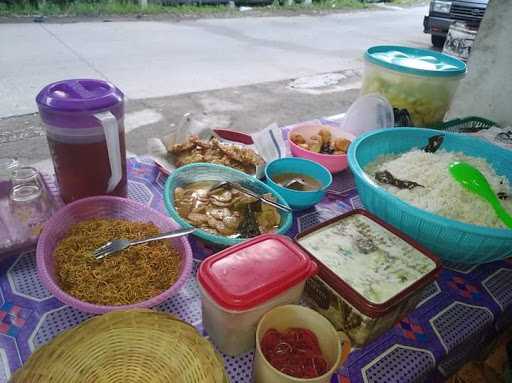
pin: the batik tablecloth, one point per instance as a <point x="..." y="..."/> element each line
<point x="461" y="312"/>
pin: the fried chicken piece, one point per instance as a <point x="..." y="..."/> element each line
<point x="297" y="138"/>
<point x="238" y="153"/>
<point x="325" y="136"/>
<point x="341" y="144"/>
<point x="179" y="148"/>
<point x="189" y="158"/>
<point x="190" y="144"/>
<point x="212" y="151"/>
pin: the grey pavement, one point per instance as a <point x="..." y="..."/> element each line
<point x="247" y="108"/>
<point x="239" y="74"/>
<point x="156" y="59"/>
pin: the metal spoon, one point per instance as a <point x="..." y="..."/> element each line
<point x="471" y="178"/>
<point x="298" y="181"/>
<point x="250" y="193"/>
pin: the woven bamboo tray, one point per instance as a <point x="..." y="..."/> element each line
<point x="128" y="346"/>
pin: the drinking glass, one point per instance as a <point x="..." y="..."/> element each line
<point x="29" y="176"/>
<point x="26" y="175"/>
<point x="29" y="208"/>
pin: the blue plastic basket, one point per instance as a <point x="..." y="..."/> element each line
<point x="212" y="172"/>
<point x="450" y="240"/>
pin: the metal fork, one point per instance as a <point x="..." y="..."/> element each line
<point x="121" y="244"/>
<point x="250" y="193"/>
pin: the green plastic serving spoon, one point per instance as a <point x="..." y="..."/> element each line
<point x="474" y="181"/>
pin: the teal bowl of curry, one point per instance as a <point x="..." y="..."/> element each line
<point x="225" y="216"/>
<point x="302" y="183"/>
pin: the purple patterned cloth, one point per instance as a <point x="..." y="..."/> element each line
<point x="459" y="314"/>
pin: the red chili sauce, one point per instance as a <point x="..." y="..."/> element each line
<point x="295" y="352"/>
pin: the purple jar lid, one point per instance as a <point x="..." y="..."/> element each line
<point x="79" y="95"/>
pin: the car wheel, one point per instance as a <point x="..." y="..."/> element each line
<point x="438" y="41"/>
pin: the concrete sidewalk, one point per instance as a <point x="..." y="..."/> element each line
<point x="248" y="108"/>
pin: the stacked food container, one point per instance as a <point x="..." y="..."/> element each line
<point x="420" y="82"/>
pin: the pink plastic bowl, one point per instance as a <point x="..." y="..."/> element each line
<point x="104" y="207"/>
<point x="334" y="162"/>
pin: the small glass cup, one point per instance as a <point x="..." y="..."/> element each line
<point x="29" y="176"/>
<point x="26" y="175"/>
<point x="29" y="208"/>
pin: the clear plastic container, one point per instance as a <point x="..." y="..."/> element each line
<point x="367" y="113"/>
<point x="240" y="284"/>
<point x="369" y="275"/>
<point x="421" y="81"/>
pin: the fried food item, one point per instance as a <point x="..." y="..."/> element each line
<point x="323" y="142"/>
<point x="297" y="139"/>
<point x="325" y="135"/>
<point x="196" y="150"/>
<point x="341" y="144"/>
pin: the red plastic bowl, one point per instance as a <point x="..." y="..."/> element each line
<point x="105" y="207"/>
<point x="334" y="162"/>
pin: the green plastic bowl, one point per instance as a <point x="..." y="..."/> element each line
<point x="212" y="172"/>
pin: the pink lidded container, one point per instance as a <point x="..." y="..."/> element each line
<point x="84" y="122"/>
<point x="240" y="284"/>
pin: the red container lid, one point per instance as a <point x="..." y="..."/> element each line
<point x="253" y="272"/>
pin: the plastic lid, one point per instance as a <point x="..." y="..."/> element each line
<point x="253" y="272"/>
<point x="78" y="95"/>
<point x="416" y="61"/>
<point x="370" y="112"/>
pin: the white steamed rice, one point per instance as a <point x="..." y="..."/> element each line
<point x="441" y="194"/>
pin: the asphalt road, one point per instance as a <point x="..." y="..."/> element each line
<point x="148" y="59"/>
